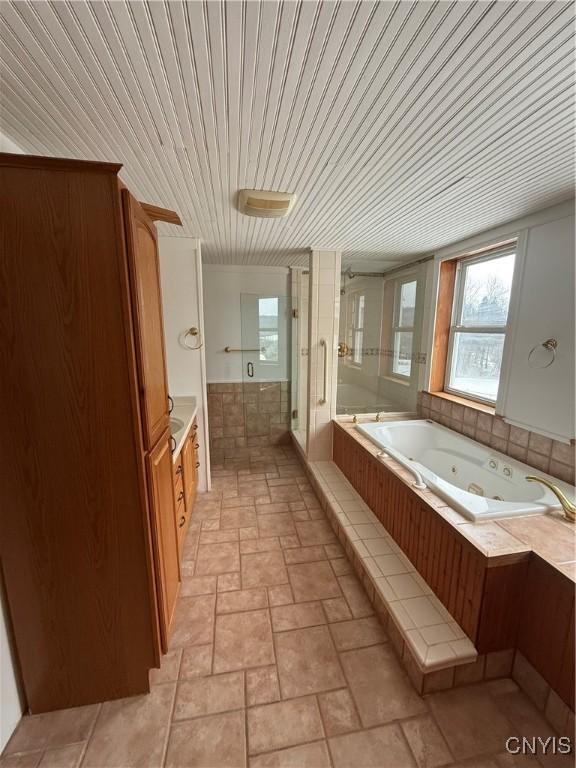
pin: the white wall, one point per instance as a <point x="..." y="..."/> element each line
<point x="542" y="306"/>
<point x="181" y="276"/>
<point x="542" y="399"/>
<point x="10" y="704"/>
<point x="223" y="286"/>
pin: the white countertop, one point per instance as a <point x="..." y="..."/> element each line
<point x="181" y="418"/>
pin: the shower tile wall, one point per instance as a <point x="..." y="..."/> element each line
<point x="247" y="415"/>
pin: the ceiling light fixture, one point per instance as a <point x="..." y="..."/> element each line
<point x="265" y="204"/>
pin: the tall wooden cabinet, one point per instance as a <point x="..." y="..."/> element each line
<point x="88" y="539"/>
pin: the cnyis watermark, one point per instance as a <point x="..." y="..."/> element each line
<point x="539" y="745"/>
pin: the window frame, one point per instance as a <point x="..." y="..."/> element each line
<point x="397" y="328"/>
<point x="276" y="330"/>
<point x="354" y="329"/>
<point x="462" y="265"/>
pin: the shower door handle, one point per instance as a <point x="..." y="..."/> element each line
<point x="323" y="344"/>
<point x="250" y="369"/>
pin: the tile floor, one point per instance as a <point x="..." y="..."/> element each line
<point x="278" y="660"/>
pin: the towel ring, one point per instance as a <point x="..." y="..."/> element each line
<point x="195" y="333"/>
<point x="550" y="345"/>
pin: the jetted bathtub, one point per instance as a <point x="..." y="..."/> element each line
<point x="479" y="482"/>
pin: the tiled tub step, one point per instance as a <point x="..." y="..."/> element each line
<point x="426" y="635"/>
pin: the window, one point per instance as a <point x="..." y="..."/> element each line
<point x="479" y="324"/>
<point x="268" y="329"/>
<point x="358" y="306"/>
<point x="403" y="327"/>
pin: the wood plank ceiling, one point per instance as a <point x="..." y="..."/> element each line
<point x="402" y="127"/>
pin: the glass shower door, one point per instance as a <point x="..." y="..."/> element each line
<point x="265" y="334"/>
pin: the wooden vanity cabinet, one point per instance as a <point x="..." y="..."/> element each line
<point x="190" y="462"/>
<point x="88" y="541"/>
<point x="185" y="484"/>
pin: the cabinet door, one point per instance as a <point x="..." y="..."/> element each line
<point x="164" y="534"/>
<point x="147" y="308"/>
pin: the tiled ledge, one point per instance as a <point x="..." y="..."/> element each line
<point x="434" y="639"/>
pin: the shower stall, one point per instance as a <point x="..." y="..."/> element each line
<point x="379" y="344"/>
<point x="356" y="346"/>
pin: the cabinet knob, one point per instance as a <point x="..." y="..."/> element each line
<point x="182" y="521"/>
<point x="180" y="495"/>
<point x="179" y="469"/>
<point x="197" y="445"/>
<point x="197" y="464"/>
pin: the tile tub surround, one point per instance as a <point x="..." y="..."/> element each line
<point x="360" y="541"/>
<point x="247" y="415"/>
<point x="308" y="679"/>
<point x="504" y="540"/>
<point x="542" y="453"/>
<point x="500" y="549"/>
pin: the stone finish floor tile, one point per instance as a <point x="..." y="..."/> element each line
<point x="356" y="596"/>
<point x="383" y="747"/>
<point x="357" y="633"/>
<point x="307" y="662"/>
<point x="52" y="729"/>
<point x="196" y="661"/>
<point x="284" y="724"/>
<point x="217" y="741"/>
<point x="426" y="742"/>
<point x="243" y="640"/>
<point x="313" y="581"/>
<point x="131" y="732"/>
<point x="63" y="757"/>
<point x="217" y="558"/>
<point x="241" y="600"/>
<point x="281" y="595"/>
<point x="249" y="628"/>
<point x="338" y="712"/>
<point x="194" y="621"/>
<point x="297" y="616"/>
<point x="209" y="695"/>
<point x="169" y="668"/>
<point x="276" y="525"/>
<point x="379" y="686"/>
<point x="336" y="609"/>
<point x="263" y="569"/>
<point x="262" y="686"/>
<point x="470" y="720"/>
<point x="313" y="755"/>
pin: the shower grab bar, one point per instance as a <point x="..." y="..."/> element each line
<point x="238" y="349"/>
<point x="390" y="453"/>
<point x="323" y="344"/>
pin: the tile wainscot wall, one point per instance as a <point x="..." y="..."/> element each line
<point x="247" y="415"/>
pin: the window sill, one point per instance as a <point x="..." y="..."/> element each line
<point x="483" y="407"/>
